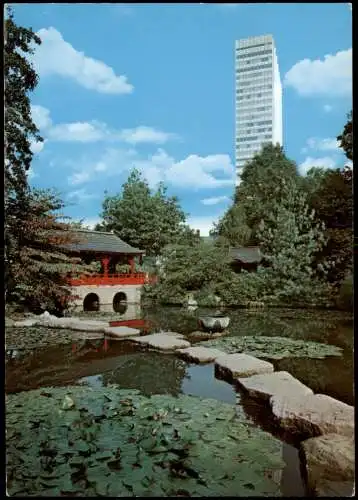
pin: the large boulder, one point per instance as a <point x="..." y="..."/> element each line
<point x="199" y="354"/>
<point x="330" y="465"/>
<point x="269" y="384"/>
<point x="240" y="365"/>
<point x="315" y="414"/>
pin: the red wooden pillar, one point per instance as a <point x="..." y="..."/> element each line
<point x="131" y="263"/>
<point x="105" y="262"/>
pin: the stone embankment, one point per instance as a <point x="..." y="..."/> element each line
<point x="327" y="455"/>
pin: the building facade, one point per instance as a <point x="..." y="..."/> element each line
<point x="258" y="98"/>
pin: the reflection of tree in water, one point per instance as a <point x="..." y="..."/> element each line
<point x="175" y="319"/>
<point x="331" y="376"/>
<point x="149" y="372"/>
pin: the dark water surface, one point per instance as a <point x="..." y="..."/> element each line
<point x="98" y="363"/>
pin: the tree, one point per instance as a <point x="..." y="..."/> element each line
<point x="333" y="204"/>
<point x="200" y="268"/>
<point x="20" y="79"/>
<point x="39" y="274"/>
<point x="290" y="238"/>
<point x="262" y="182"/>
<point x="232" y="228"/>
<point x="144" y="219"/>
<point x="346" y="137"/>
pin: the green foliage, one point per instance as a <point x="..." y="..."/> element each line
<point x="244" y="287"/>
<point x="346" y="137"/>
<point x="116" y="442"/>
<point x="40" y="266"/>
<point x="20" y="79"/>
<point x="262" y="182"/>
<point x="189" y="268"/>
<point x="232" y="228"/>
<point x="141" y="218"/>
<point x="290" y="238"/>
<point x="123" y="268"/>
<point x="333" y="204"/>
<point x="273" y="347"/>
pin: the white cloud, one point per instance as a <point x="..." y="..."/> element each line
<point x="55" y="56"/>
<point x="327" y="108"/>
<point x="80" y="195"/>
<point x="36" y="146"/>
<point x="314" y="143"/>
<point x="79" y="178"/>
<point x="41" y="116"/>
<point x="214" y="200"/>
<point x="331" y="76"/>
<point x="194" y="172"/>
<point x="95" y="131"/>
<point x="78" y="132"/>
<point x="325" y="162"/>
<point x="145" y="134"/>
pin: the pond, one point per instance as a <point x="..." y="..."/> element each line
<point x="100" y="364"/>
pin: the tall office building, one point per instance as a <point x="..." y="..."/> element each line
<point x="258" y="97"/>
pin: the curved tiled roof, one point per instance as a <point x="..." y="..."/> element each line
<point x="247" y="255"/>
<point x="98" y="241"/>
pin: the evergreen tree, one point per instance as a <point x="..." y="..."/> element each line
<point x="143" y="219"/>
<point x="290" y="238"/>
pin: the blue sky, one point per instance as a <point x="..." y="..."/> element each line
<point x="152" y="86"/>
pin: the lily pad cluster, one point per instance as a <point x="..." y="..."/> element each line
<point x="32" y="337"/>
<point x="273" y="347"/>
<point x="108" y="442"/>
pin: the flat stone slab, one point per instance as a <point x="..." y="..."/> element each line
<point x="241" y="365"/>
<point x="163" y="341"/>
<point x="330" y="465"/>
<point x="121" y="331"/>
<point x="200" y="354"/>
<point x="26" y="322"/>
<point x="317" y="413"/>
<point x="88" y="326"/>
<point x="270" y="384"/>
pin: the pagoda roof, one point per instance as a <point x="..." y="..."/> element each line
<point x="102" y="242"/>
<point x="246" y="255"/>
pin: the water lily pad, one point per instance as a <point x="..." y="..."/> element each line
<point x="273" y="347"/>
<point x="183" y="446"/>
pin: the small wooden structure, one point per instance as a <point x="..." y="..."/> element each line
<point x="108" y="249"/>
<point x="247" y="258"/>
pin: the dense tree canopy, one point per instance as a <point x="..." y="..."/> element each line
<point x="35" y="262"/>
<point x="143" y="219"/>
<point x="346" y="138"/>
<point x="42" y="262"/>
<point x="20" y="79"/>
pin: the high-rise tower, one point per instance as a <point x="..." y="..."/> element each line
<point x="258" y="97"/>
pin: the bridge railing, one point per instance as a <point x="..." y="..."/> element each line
<point x="113" y="279"/>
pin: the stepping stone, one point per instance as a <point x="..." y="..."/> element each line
<point x="87" y="326"/>
<point x="121" y="331"/>
<point x="273" y="384"/>
<point x="317" y="413"/>
<point x="241" y="365"/>
<point x="163" y="341"/>
<point x="26" y="322"/>
<point x="200" y="354"/>
<point x="330" y="465"/>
